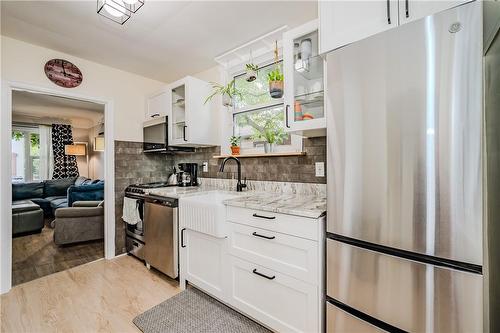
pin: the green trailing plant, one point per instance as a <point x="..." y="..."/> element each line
<point x="235" y="141"/>
<point x="228" y="89"/>
<point x="275" y="75"/>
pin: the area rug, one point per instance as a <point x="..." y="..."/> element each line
<point x="193" y="311"/>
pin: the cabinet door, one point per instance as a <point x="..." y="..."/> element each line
<point x="344" y="22"/>
<point x="304" y="72"/>
<point x="410" y="10"/>
<point x="203" y="262"/>
<point x="157" y="105"/>
<point x="277" y="300"/>
<point x="178" y="118"/>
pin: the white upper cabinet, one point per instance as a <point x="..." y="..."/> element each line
<point x="410" y="10"/>
<point x="191" y="122"/>
<point x="157" y="105"/>
<point x="304" y="75"/>
<point x="344" y="22"/>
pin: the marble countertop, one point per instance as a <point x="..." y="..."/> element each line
<point x="311" y="206"/>
<point x="292" y="204"/>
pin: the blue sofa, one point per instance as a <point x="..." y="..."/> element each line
<point x="57" y="193"/>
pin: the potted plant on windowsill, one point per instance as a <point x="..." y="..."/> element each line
<point x="251" y="72"/>
<point x="272" y="135"/>
<point x="235" y="144"/>
<point x="275" y="79"/>
<point x="228" y="92"/>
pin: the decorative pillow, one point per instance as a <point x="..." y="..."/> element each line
<point x="81" y="180"/>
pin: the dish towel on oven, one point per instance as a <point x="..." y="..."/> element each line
<point x="131" y="211"/>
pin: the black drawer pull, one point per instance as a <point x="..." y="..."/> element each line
<point x="263" y="275"/>
<point x="264" y="217"/>
<point x="262" y="236"/>
<point x="182" y="237"/>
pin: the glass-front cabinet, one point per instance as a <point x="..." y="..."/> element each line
<point x="304" y="81"/>
<point x="178" y="100"/>
<point x="191" y="122"/>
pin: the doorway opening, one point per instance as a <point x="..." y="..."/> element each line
<point x="57" y="166"/>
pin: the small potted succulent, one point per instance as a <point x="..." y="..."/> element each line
<point x="235" y="144"/>
<point x="228" y="92"/>
<point x="275" y="79"/>
<point x="251" y="72"/>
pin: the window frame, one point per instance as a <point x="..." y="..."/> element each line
<point x="296" y="144"/>
<point x="28" y="159"/>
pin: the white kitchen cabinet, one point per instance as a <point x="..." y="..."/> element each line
<point x="270" y="267"/>
<point x="157" y="104"/>
<point x="191" y="122"/>
<point x="304" y="71"/>
<point x="410" y="10"/>
<point x="345" y="22"/>
<point x="203" y="261"/>
<point x="277" y="300"/>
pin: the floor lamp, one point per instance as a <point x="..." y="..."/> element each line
<point x="78" y="149"/>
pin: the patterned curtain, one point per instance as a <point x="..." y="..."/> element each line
<point x="64" y="165"/>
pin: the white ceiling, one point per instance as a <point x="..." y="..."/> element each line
<point x="164" y="40"/>
<point x="41" y="108"/>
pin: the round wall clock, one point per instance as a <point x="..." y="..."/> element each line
<point x="63" y="73"/>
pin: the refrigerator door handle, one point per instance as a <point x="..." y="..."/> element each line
<point x="388" y="11"/>
<point x="287" y="108"/>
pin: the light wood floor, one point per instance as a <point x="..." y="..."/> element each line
<point x="102" y="296"/>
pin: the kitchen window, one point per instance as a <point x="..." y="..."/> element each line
<point x="258" y="118"/>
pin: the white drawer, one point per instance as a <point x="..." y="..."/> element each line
<point x="281" y="302"/>
<point x="288" y="224"/>
<point x="291" y="255"/>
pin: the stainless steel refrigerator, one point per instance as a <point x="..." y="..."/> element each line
<point x="413" y="233"/>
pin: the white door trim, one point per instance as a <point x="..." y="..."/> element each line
<point x="5" y="174"/>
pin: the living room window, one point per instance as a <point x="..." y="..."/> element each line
<point x="25" y="154"/>
<point x="259" y="118"/>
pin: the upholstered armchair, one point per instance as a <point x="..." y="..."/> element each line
<point x="84" y="221"/>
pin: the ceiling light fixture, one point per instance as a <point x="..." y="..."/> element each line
<point x="118" y="11"/>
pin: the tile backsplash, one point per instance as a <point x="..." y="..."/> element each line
<point x="133" y="166"/>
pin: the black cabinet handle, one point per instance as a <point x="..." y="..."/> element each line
<point x="155" y="115"/>
<point x="182" y="237"/>
<point x="388" y="11"/>
<point x="264" y="217"/>
<point x="262" y="236"/>
<point x="407" y="9"/>
<point x="286" y="115"/>
<point x="184" y="133"/>
<point x="263" y="275"/>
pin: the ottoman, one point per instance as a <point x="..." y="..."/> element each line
<point x="27" y="217"/>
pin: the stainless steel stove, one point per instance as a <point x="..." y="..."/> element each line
<point x="154" y="238"/>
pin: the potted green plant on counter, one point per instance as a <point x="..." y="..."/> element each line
<point x="228" y="92"/>
<point x="235" y="144"/>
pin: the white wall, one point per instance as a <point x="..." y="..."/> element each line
<point x="23" y="62"/>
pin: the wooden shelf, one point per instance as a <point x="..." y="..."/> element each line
<point x="263" y="155"/>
